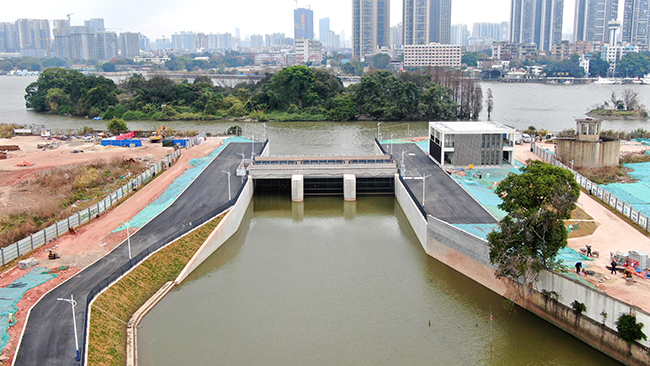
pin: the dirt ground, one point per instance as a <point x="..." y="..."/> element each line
<point x="612" y="235"/>
<point x="93" y="240"/>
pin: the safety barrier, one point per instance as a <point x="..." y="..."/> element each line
<point x="118" y="273"/>
<point x="594" y="189"/>
<point x="52" y="232"/>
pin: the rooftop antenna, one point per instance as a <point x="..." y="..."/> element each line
<point x="68" y="15"/>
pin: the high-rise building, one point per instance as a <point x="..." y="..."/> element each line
<point x="333" y="40"/>
<point x="34" y="35"/>
<point x="487" y="31"/>
<point x="459" y="35"/>
<point x="536" y="21"/>
<point x="95" y="25"/>
<point x="130" y="44"/>
<point x="9" y="37"/>
<point x="505" y="31"/>
<point x="426" y="21"/>
<point x="303" y="23"/>
<point x="636" y="23"/>
<point x="370" y="26"/>
<point x="396" y="33"/>
<point x="82" y="44"/>
<point x="107" y="46"/>
<point x="592" y="19"/>
<point x="183" y="41"/>
<point x="257" y="41"/>
<point x="323" y="28"/>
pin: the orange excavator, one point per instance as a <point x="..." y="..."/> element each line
<point x="159" y="135"/>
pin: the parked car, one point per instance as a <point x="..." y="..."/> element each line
<point x="526" y="138"/>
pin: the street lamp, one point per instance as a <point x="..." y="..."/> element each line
<point x="74" y="323"/>
<point x="378" y="131"/>
<point x="402" y="164"/>
<point x="424" y="185"/>
<point x="264" y="135"/>
<point x="229" y="196"/>
<point x="128" y="241"/>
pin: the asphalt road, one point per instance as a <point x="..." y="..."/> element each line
<point x="49" y="335"/>
<point x="444" y="198"/>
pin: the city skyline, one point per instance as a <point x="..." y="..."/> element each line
<point x="165" y="17"/>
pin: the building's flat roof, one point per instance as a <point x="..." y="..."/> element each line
<point x="471" y="127"/>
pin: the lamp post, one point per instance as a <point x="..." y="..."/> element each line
<point x="229" y="196"/>
<point x="424" y="186"/>
<point x="402" y="164"/>
<point x="74" y="323"/>
<point x="264" y="135"/>
<point x="391" y="145"/>
<point x="379" y="131"/>
<point x="128" y="241"/>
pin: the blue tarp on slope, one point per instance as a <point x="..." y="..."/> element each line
<point x="12" y="293"/>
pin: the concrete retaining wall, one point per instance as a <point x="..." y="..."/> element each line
<point x="469" y="255"/>
<point x="410" y="208"/>
<point x="226" y="228"/>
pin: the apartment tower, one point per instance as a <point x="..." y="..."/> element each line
<point x="427" y="21"/>
<point x="370" y="26"/>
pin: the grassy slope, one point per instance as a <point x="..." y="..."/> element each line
<point x="107" y="338"/>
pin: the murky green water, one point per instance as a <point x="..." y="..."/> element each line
<point x="327" y="282"/>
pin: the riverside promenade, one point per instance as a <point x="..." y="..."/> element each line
<point x="49" y="337"/>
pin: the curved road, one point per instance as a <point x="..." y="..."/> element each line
<point x="48" y="338"/>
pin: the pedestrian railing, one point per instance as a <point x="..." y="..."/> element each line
<point x="52" y="232"/>
<point x="598" y="191"/>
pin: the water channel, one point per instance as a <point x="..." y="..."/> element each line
<point x="328" y="282"/>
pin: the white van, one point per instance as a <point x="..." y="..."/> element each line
<point x="526" y="138"/>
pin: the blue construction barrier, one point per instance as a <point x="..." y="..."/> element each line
<point x="122" y="143"/>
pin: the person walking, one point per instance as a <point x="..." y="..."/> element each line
<point x="613" y="267"/>
<point x="588" y="250"/>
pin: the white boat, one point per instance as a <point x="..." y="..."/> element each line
<point x="604" y="81"/>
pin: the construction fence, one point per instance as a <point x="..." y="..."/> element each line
<point x="77" y="219"/>
<point x="596" y="190"/>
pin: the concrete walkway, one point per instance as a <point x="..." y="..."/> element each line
<point x="444" y="198"/>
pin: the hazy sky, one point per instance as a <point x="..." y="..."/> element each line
<point x="165" y="17"/>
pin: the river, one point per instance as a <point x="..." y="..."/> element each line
<point x="328" y="282"/>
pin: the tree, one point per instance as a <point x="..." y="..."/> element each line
<point x="108" y="67"/>
<point x="634" y="65"/>
<point x="628" y="329"/>
<point x="117" y="125"/>
<point x="490" y="102"/>
<point x="353" y="67"/>
<point x="469" y="59"/>
<point x="380" y="61"/>
<point x="598" y="66"/>
<point x="437" y="104"/>
<point x="530" y="236"/>
<point x="564" y="68"/>
<point x="383" y="96"/>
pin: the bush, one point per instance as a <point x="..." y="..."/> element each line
<point x="116" y="125"/>
<point x="628" y="329"/>
<point x="114" y="112"/>
<point x="578" y="307"/>
<point x="7" y="130"/>
<point x="133" y="116"/>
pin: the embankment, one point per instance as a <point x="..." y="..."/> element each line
<point x="114" y="307"/>
<point x="550" y="297"/>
